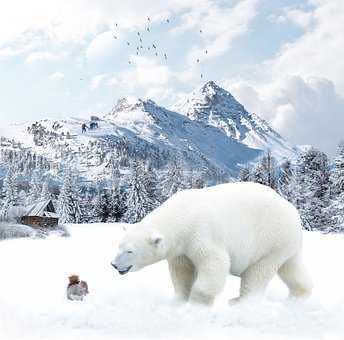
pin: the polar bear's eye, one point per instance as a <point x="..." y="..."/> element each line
<point x="129" y="251"/>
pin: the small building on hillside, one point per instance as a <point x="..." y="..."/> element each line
<point x="40" y="214"/>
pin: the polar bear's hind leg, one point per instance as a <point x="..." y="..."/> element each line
<point x="256" y="278"/>
<point x="294" y="274"/>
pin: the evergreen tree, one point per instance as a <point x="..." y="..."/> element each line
<point x="265" y="171"/>
<point x="338" y="175"/>
<point x="311" y="192"/>
<point x="35" y="188"/>
<point x="68" y="200"/>
<point x="117" y="202"/>
<point x="336" y="207"/>
<point x="9" y="194"/>
<point x="174" y="180"/>
<point x="244" y="174"/>
<point x="258" y="174"/>
<point x="151" y="183"/>
<point x="139" y="202"/>
<point x="45" y="193"/>
<point x="102" y="208"/>
<point x="286" y="180"/>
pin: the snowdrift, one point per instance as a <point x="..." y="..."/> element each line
<point x="140" y="305"/>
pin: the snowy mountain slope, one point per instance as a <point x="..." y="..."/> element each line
<point x="142" y="128"/>
<point x="214" y="106"/>
<point x="140" y="305"/>
<point x="215" y="136"/>
<point x="167" y="128"/>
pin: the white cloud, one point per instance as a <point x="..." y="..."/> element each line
<point x="57" y="76"/>
<point x="75" y="20"/>
<point x="217" y="27"/>
<point x="97" y="80"/>
<point x="101" y="46"/>
<point x="145" y="72"/>
<point x="300" y="91"/>
<point x="304" y="111"/>
<point x="294" y="15"/>
<point x="42" y="56"/>
<point x="319" y="51"/>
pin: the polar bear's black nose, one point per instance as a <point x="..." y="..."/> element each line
<point x="113" y="265"/>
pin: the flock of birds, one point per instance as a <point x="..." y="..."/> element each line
<point x="141" y="45"/>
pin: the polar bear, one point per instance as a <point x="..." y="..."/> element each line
<point x="244" y="229"/>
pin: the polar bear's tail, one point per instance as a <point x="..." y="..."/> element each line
<point x="294" y="274"/>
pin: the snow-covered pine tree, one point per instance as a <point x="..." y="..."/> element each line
<point x="258" y="174"/>
<point x="286" y="180"/>
<point x="68" y="200"/>
<point x="194" y="180"/>
<point x="139" y="202"/>
<point x="265" y="171"/>
<point x="151" y="183"/>
<point x="117" y="202"/>
<point x="9" y="194"/>
<point x="336" y="207"/>
<point x="244" y="174"/>
<point x="173" y="180"/>
<point x="311" y="192"/>
<point x="45" y="193"/>
<point x="103" y="205"/>
<point x="35" y="188"/>
<point x="338" y="173"/>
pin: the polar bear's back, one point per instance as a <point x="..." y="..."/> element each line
<point x="248" y="219"/>
<point x="246" y="207"/>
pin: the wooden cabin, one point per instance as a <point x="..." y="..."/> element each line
<point x="40" y="214"/>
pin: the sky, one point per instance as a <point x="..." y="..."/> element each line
<point x="282" y="59"/>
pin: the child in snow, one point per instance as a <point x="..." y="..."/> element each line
<point x="76" y="289"/>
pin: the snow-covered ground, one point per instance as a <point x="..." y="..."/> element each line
<point x="33" y="305"/>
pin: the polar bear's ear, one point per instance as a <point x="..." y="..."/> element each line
<point x="157" y="240"/>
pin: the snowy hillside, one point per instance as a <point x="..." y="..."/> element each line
<point x="140" y="305"/>
<point x="214" y="106"/>
<point x="216" y="136"/>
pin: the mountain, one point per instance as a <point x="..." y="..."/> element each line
<point x="213" y="106"/>
<point x="214" y="135"/>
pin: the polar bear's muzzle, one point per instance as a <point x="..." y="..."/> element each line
<point x="124" y="271"/>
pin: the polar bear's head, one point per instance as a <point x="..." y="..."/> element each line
<point x="139" y="249"/>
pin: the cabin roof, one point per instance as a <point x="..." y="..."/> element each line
<point x="38" y="209"/>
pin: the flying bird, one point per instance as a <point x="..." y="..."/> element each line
<point x="200" y="31"/>
<point x="115" y="37"/>
<point x="148" y="48"/>
<point x="198" y="60"/>
<point x="148" y="30"/>
<point x="148" y="19"/>
<point x="165" y="56"/>
<point x="154" y="46"/>
<point x="206" y="51"/>
<point x="156" y="53"/>
<point x="129" y="62"/>
<point x="140" y="40"/>
<point x="128" y="43"/>
<point x="168" y="21"/>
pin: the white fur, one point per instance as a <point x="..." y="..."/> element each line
<point x="245" y="229"/>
